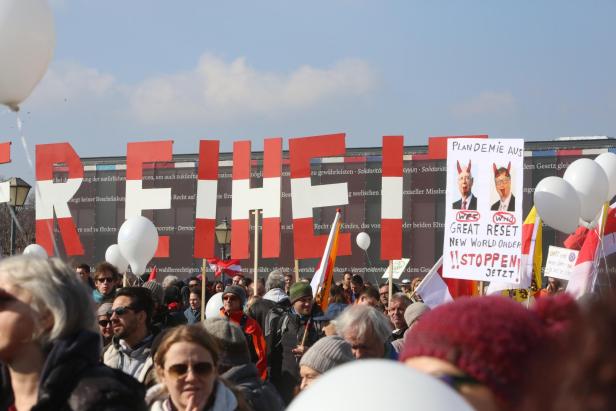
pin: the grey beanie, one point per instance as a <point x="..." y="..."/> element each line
<point x="327" y="353"/>
<point x="104" y="309"/>
<point x="236" y="290"/>
<point x="156" y="289"/>
<point x="231" y="339"/>
<point x="414" y="311"/>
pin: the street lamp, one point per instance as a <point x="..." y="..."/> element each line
<point x="19" y="193"/>
<point x="223" y="236"/>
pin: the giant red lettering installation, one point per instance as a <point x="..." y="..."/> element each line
<point x="207" y="190"/>
<point x="138" y="198"/>
<point x="305" y="196"/>
<point x="54" y="196"/>
<point x="266" y="198"/>
<point x="391" y="198"/>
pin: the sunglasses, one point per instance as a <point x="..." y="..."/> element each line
<point x="120" y="310"/>
<point x="104" y="280"/>
<point x="456" y="381"/>
<point x="104" y="323"/>
<point x="229" y="297"/>
<point x="200" y="369"/>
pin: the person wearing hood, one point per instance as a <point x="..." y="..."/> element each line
<point x="274" y="297"/>
<point x="50" y="346"/>
<point x="234" y="365"/>
<point x="186" y="362"/>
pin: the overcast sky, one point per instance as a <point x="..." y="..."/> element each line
<point x="135" y="70"/>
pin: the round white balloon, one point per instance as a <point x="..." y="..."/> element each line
<point x="213" y="306"/>
<point x="589" y="180"/>
<point x="27" y="40"/>
<point x="558" y="204"/>
<point x="363" y="240"/>
<point x="35" y="250"/>
<point x="607" y="161"/>
<point x="114" y="256"/>
<point x="138" y="239"/>
<point x="428" y="393"/>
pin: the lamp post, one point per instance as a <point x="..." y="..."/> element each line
<point x="223" y="236"/>
<point x="19" y="193"/>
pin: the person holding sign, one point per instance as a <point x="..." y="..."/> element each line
<point x="465" y="184"/>
<point x="502" y="182"/>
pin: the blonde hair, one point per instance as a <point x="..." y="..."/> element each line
<point x="55" y="289"/>
<point x="186" y="333"/>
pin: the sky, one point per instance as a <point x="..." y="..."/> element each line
<point x="187" y="70"/>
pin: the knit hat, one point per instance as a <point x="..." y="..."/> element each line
<point x="236" y="290"/>
<point x="231" y="339"/>
<point x="299" y="290"/>
<point x="491" y="339"/>
<point x="156" y="289"/>
<point x="103" y="309"/>
<point x="414" y="311"/>
<point x="327" y="353"/>
<point x="357" y="279"/>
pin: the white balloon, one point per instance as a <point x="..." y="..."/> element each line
<point x="429" y="394"/>
<point x="558" y="204"/>
<point x="363" y="240"/>
<point x="138" y="239"/>
<point x="607" y="161"/>
<point x="27" y="40"/>
<point x="213" y="306"/>
<point x="114" y="256"/>
<point x="35" y="250"/>
<point x="589" y="180"/>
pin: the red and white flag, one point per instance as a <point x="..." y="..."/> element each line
<point x="432" y="289"/>
<point x="229" y="267"/>
<point x="322" y="279"/>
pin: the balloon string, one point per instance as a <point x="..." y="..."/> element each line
<point x="38" y="197"/>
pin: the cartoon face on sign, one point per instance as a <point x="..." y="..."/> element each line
<point x="502" y="183"/>
<point x="465" y="186"/>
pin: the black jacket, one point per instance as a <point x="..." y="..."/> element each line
<point x="259" y="309"/>
<point x="287" y="333"/>
<point x="261" y="396"/>
<point x="73" y="379"/>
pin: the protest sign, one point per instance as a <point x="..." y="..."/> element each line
<point x="560" y="262"/>
<point x="397" y="267"/>
<point x="483" y="219"/>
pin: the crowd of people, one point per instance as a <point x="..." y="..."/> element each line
<point x="71" y="339"/>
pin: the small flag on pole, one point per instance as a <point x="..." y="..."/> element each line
<point x="432" y="289"/>
<point x="322" y="280"/>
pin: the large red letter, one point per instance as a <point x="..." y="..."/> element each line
<point x="266" y="198"/>
<point x="305" y="196"/>
<point x="391" y="198"/>
<point x="207" y="190"/>
<point x="138" y="198"/>
<point x="52" y="196"/>
<point x="5" y="187"/>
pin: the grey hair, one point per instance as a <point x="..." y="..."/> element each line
<point x="56" y="289"/>
<point x="401" y="297"/>
<point x="170" y="280"/>
<point x="275" y="279"/>
<point x="363" y="320"/>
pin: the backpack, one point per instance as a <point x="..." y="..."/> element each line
<point x="274" y="328"/>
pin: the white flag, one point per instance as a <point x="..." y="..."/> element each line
<point x="432" y="289"/>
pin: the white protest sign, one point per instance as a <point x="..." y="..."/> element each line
<point x="397" y="267"/>
<point x="483" y="219"/>
<point x="560" y="262"/>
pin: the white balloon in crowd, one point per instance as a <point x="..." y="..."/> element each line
<point x="422" y="392"/>
<point x="558" y="204"/>
<point x="589" y="180"/>
<point x="35" y="250"/>
<point x="138" y="239"/>
<point x="214" y="304"/>
<point x="27" y="40"/>
<point x="363" y="240"/>
<point x="114" y="256"/>
<point x="607" y="161"/>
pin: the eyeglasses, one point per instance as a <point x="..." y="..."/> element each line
<point x="456" y="381"/>
<point x="229" y="297"/>
<point x="502" y="181"/>
<point x="104" y="279"/>
<point x="200" y="369"/>
<point x="120" y="310"/>
<point x="104" y="323"/>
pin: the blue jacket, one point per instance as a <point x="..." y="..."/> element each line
<point x="191" y="317"/>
